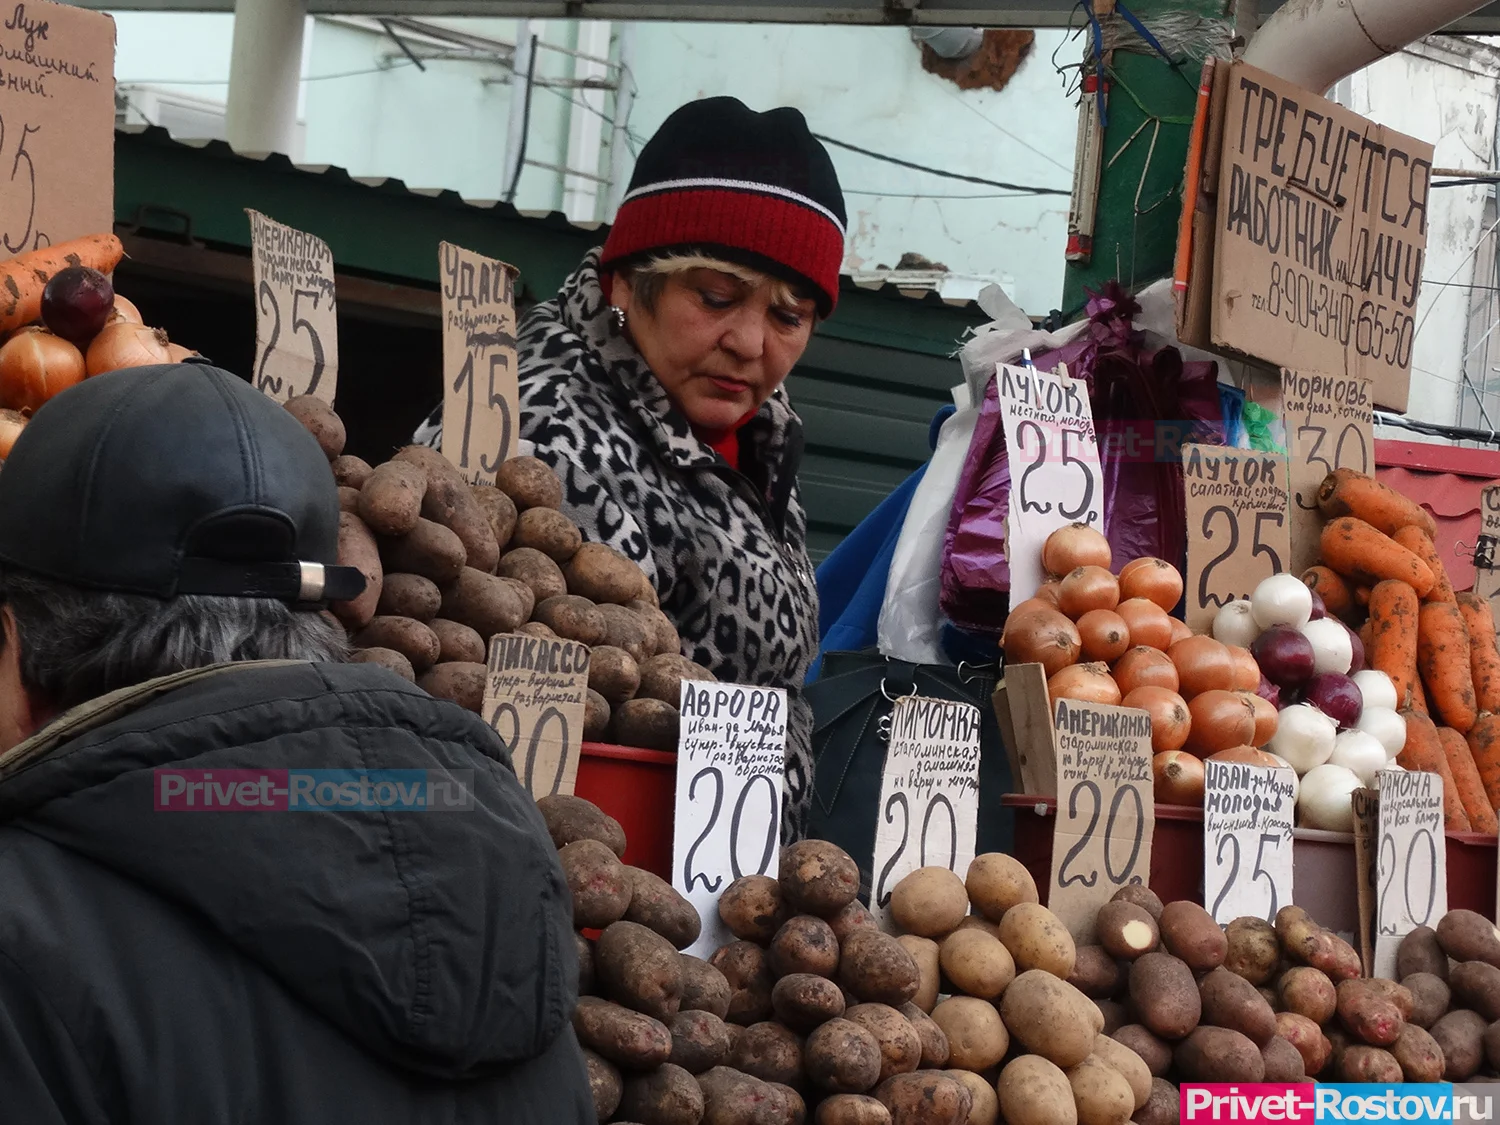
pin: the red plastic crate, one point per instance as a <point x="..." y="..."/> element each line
<point x="639" y="789"/>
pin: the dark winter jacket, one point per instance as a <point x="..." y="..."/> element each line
<point x="726" y="548"/>
<point x="251" y="968"/>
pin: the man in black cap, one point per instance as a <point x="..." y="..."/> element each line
<point x="402" y="952"/>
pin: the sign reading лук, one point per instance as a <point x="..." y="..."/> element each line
<point x="1322" y="234"/>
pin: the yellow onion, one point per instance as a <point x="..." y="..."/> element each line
<point x="34" y="366"/>
<point x="123" y="344"/>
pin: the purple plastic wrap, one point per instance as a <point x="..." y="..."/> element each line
<point x="1145" y="404"/>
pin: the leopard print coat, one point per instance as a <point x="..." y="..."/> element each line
<point x="726" y="550"/>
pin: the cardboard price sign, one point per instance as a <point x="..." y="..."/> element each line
<point x="1237" y="531"/>
<point x="57" y="125"/>
<point x="296" y="316"/>
<point x="929" y="794"/>
<point x="731" y="756"/>
<point x="534" y="697"/>
<point x="1322" y="234"/>
<point x="1247" y="840"/>
<point x="1411" y="861"/>
<point x="481" y="398"/>
<point x="1106" y="813"/>
<point x="1366" y="804"/>
<point x="1056" y="478"/>
<point x="1486" y="556"/>
<point x="1330" y="425"/>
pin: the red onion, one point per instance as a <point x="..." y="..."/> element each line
<point x="77" y="303"/>
<point x="1285" y="656"/>
<point x="1318" y="608"/>
<point x="1336" y="696"/>
<point x="1269" y="692"/>
<point x="1357" y="646"/>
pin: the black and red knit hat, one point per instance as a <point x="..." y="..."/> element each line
<point x="754" y="188"/>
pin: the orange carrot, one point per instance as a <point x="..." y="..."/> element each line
<point x="1393" y="633"/>
<point x="1367" y="635"/>
<point x="23" y="278"/>
<point x="1361" y="596"/>
<point x="1443" y="660"/>
<point x="1415" y="540"/>
<point x="1359" y="551"/>
<point x="1337" y="597"/>
<point x="1347" y="493"/>
<point x="1424" y="751"/>
<point x="1484" y="744"/>
<point x="1466" y="780"/>
<point x="1419" y="697"/>
<point x="1484" y="653"/>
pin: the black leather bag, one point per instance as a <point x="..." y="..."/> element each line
<point x="852" y="701"/>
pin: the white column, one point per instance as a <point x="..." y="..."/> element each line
<point x="520" y="69"/>
<point x="620" y="161"/>
<point x="265" y="74"/>
<point x="586" y="123"/>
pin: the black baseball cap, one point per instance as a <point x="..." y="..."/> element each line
<point x="173" y="479"/>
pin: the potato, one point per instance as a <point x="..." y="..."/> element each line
<point x="1156" y="1054"/>
<point x="744" y="967"/>
<point x="700" y="1041"/>
<point x="1418" y="1055"/>
<point x="818" y="878"/>
<point x="624" y="630"/>
<point x="975" y="922"/>
<point x="1270" y="997"/>
<point x="1189" y="932"/>
<point x="1467" y="936"/>
<point x="534" y="570"/>
<point x="1476" y="986"/>
<point x="1218" y="1054"/>
<point x="648" y="724"/>
<point x="925" y="1097"/>
<point x="984" y="1105"/>
<point x="450" y="502"/>
<point x="842" y="1058"/>
<point x="1143" y="896"/>
<point x="429" y="549"/>
<point x="1034" y="1091"/>
<point x="350" y="471"/>
<point x="458" y="682"/>
<point x="732" y="1098"/>
<point x="530" y="483"/>
<point x="704" y="988"/>
<point x="387" y="658"/>
<point x="929" y="902"/>
<point x="605" y="1084"/>
<point x="409" y="595"/>
<point x="1233" y="1002"/>
<point x="1368" y="1015"/>
<point x="457" y="643"/>
<point x="1368" y="1064"/>
<point x="1049" y="1017"/>
<point x="429" y="460"/>
<point x="875" y="968"/>
<point x="487" y="604"/>
<point x="602" y="574"/>
<point x="1037" y="939"/>
<point x="576" y="619"/>
<point x="667" y="1096"/>
<point x="995" y="882"/>
<point x="627" y="1039"/>
<point x="1101" y="1093"/>
<point x="854" y="916"/>
<point x="585" y="949"/>
<point x="596" y="715"/>
<point x="1126" y="930"/>
<point x="357" y="548"/>
<point x="659" y="628"/>
<point x="977" y="963"/>
<point x="934" y="1040"/>
<point x="752" y="908"/>
<point x="1128" y="1064"/>
<point x="1115" y="1014"/>
<point x="613" y="674"/>
<point x="1420" y="952"/>
<point x="658" y="906"/>
<point x="900" y="1045"/>
<point x="349" y="500"/>
<point x="499" y="511"/>
<point x="1253" y="951"/>
<point x="794" y="1109"/>
<point x="769" y="1052"/>
<point x="390" y="501"/>
<point x="569" y="818"/>
<point x="804" y="944"/>
<point x="662" y="676"/>
<point x="1307" y="1037"/>
<point x="1305" y="940"/>
<point x="1164" y="1107"/>
<point x="1166" y="996"/>
<point x="639" y="968"/>
<point x="1308" y="992"/>
<point x="1460" y="1036"/>
<point x="1431" y="998"/>
<point x="1388" y="990"/>
<point x="852" y="1109"/>
<point x="318" y="418"/>
<point x="1283" y="1062"/>
<point x="1491" y="1043"/>
<point x="596" y="877"/>
<point x="547" y="531"/>
<point x="977" y="1038"/>
<point x="1095" y="973"/>
<point x="411" y="639"/>
<point x="802" y="1001"/>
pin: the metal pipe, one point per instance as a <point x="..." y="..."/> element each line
<point x="620" y="160"/>
<point x="520" y="105"/>
<point x="265" y="75"/>
<point x="950" y="42"/>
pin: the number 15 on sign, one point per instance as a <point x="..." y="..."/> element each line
<point x="481" y="409"/>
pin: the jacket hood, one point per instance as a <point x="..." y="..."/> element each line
<point x="441" y="941"/>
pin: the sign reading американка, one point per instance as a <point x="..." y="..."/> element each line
<point x="1306" y="1103"/>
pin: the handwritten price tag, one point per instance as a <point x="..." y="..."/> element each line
<point x="1247" y="840"/>
<point x="1487" y="550"/>
<point x="57" y="125"/>
<point x="535" y="699"/>
<point x="1329" y="425"/>
<point x="296" y="316"/>
<point x="731" y="755"/>
<point x="1237" y="531"/>
<point x="1105" y="812"/>
<point x="929" y="794"/>
<point x="481" y="398"/>
<point x="1056" y="478"/>
<point x="1411" y="861"/>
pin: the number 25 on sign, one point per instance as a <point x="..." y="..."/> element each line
<point x="480" y="393"/>
<point x="296" y="318"/>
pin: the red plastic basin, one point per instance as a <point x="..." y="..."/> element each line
<point x="639" y="789"/>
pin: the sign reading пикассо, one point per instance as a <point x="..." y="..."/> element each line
<point x="535" y="697"/>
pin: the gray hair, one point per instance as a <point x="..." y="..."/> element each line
<point x="649" y="278"/>
<point x="77" y="644"/>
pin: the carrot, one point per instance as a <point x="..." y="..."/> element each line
<point x="1359" y="551"/>
<point x="1484" y="653"/>
<point x="1465" y="773"/>
<point x="23" y="278"/>
<point x="1347" y="493"/>
<point x="1337" y="597"/>
<point x="1415" y="540"/>
<point x="1367" y="634"/>
<point x="1443" y="660"/>
<point x="1362" y="596"/>
<point x="1424" y="751"/>
<point x="1393" y="633"/>
<point x="1419" y="697"/>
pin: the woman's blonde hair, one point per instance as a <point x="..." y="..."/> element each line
<point x="649" y="278"/>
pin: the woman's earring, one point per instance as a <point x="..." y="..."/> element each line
<point x="617" y="317"/>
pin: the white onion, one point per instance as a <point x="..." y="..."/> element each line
<point x="1282" y="599"/>
<point x="1377" y="689"/>
<point x="1235" y="625"/>
<point x="1360" y="753"/>
<point x="1387" y="727"/>
<point x="1304" y="737"/>
<point x="1296" y="781"/>
<point x="1327" y="799"/>
<point x="1332" y="650"/>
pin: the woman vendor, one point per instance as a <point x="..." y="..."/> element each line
<point x="652" y="384"/>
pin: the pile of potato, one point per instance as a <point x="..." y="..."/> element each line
<point x="449" y="565"/>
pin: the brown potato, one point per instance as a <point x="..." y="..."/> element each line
<point x="804" y="944"/>
<point x="1126" y="930"/>
<point x="390" y="501"/>
<point x="934" y="1040"/>
<point x="535" y="570"/>
<point x="1218" y="1054"/>
<point x="977" y="1037"/>
<point x="605" y="1084"/>
<point x="1420" y="952"/>
<point x="704" y="988"/>
<point x="995" y="882"/>
<point x="667" y="1096"/>
<point x="769" y="1052"/>
<point x="1037" y="939"/>
<point x="639" y="968"/>
<point x="357" y="548"/>
<point x="1189" y="932"/>
<point x="487" y="604"/>
<point x="1467" y="936"/>
<point x="627" y="1039"/>
<point x="1389" y="990"/>
<point x="411" y="639"/>
<point x="596" y="877"/>
<point x="927" y="955"/>
<point x="700" y="1041"/>
<point x="1368" y="1014"/>
<point x="547" y="531"/>
<point x="596" y="715"/>
<point x="818" y="878"/>
<point x="1253" y="951"/>
<point x="744" y="966"/>
<point x="854" y="916"/>
<point x="1305" y="940"/>
<point x="1476" y="986"/>
<point x="977" y="964"/>
<point x="450" y="501"/>
<point x="1308" y="992"/>
<point x="387" y="658"/>
<point x="585" y="963"/>
<point x="1368" y="1064"/>
<point x="900" y="1045"/>
<point x="852" y="1109"/>
<point x="1101" y="1093"/>
<point x="1491" y="1044"/>
<point x="569" y="818"/>
<point x="929" y="902"/>
<point x="1164" y="1106"/>
<point x="1418" y="1055"/>
<point x="662" y="676"/>
<point x="1095" y="973"/>
<point x="925" y="1097"/>
<point x="458" y="682"/>
<point x="802" y="1001"/>
<point x="752" y="908"/>
<point x="793" y="1110"/>
<point x="1460" y="1036"/>
<point x="1130" y="1066"/>
<point x="875" y="968"/>
<point x="625" y="630"/>
<point x="984" y="1105"/>
<point x="1431" y="998"/>
<point x="409" y="595"/>
<point x="664" y="638"/>
<point x="576" y="619"/>
<point x="1231" y="1001"/>
<point x="349" y="500"/>
<point x="318" y="418"/>
<point x="350" y="471"/>
<point x="1050" y="1017"/>
<point x="1034" y="1091"/>
<point x="648" y="724"/>
<point x="429" y="549"/>
<point x="1165" y="995"/>
<point x="499" y="511"/>
<point x="1283" y="1062"/>
<point x="842" y="1058"/>
<point x="1116" y="1015"/>
<point x="658" y="906"/>
<point x="1156" y="1054"/>
<point x="457" y="643"/>
<point x="732" y="1098"/>
<point x="602" y="574"/>
<point x="1143" y="896"/>
<point x="530" y="483"/>
<point x="1307" y="1037"/>
<point x="613" y="674"/>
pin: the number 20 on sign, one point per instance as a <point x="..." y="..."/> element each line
<point x="481" y="410"/>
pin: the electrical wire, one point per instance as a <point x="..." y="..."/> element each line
<point x="924" y="195"/>
<point x="1022" y="189"/>
<point x="1434" y="429"/>
<point x="395" y="64"/>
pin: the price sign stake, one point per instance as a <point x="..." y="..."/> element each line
<point x="1411" y="861"/>
<point x="481" y="398"/>
<point x="1366" y="806"/>
<point x="929" y="794"/>
<point x="57" y="125"/>
<point x="1056" y="478"/>
<point x="1105" y="810"/>
<point x="1329" y="425"/>
<point x="1247" y="840"/>
<point x="1237" y="533"/>
<point x="296" y="315"/>
<point x="731" y="756"/>
<point x="534" y="697"/>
